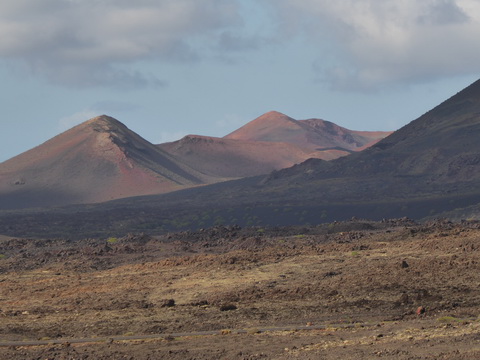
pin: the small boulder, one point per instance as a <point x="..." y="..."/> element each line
<point x="420" y="310"/>
<point x="404" y="299"/>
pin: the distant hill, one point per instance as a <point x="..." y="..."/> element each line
<point x="272" y="141"/>
<point x="101" y="159"/>
<point x="96" y="161"/>
<point x="429" y="167"/>
<point x="228" y="158"/>
<point x="313" y="134"/>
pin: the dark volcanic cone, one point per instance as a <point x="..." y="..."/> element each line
<point x="441" y="145"/>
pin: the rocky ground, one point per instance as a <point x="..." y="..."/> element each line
<point x="350" y="290"/>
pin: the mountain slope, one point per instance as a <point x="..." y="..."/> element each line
<point x="234" y="158"/>
<point x="96" y="161"/>
<point x="231" y="158"/>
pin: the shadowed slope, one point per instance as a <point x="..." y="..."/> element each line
<point x="96" y="161"/>
<point x="436" y="156"/>
<point x="441" y="145"/>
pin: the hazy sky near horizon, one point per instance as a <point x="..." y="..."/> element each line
<point x="168" y="68"/>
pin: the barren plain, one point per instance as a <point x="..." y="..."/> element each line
<point x="349" y="290"/>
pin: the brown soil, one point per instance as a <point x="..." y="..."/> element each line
<point x="352" y="292"/>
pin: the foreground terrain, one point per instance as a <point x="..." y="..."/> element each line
<point x="351" y="290"/>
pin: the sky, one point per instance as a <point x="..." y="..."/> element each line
<point x="168" y="68"/>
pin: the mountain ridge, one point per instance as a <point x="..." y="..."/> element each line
<point x="270" y="142"/>
<point x="428" y="167"/>
<point x="101" y="160"/>
<point x="313" y="134"/>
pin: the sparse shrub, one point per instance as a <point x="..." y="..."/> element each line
<point x="2" y="256"/>
<point x="200" y="303"/>
<point x="112" y="240"/>
<point x="168" y="303"/>
<point x="448" y="319"/>
<point x="453" y="319"/>
<point x="228" y="307"/>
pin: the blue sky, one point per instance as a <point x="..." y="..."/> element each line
<point x="167" y="68"/>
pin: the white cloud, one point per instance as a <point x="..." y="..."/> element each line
<point x="362" y="44"/>
<point x="85" y="43"/>
<point x="372" y="43"/>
